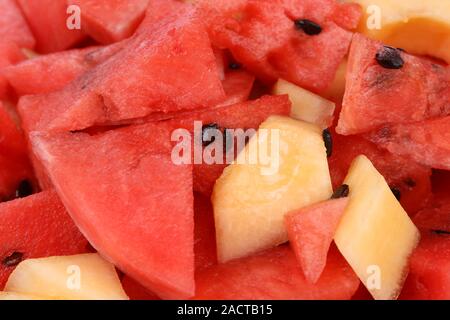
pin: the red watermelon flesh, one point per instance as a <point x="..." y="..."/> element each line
<point x="408" y="177"/>
<point x="14" y="163"/>
<point x="265" y="40"/>
<point x="169" y="68"/>
<point x="52" y="72"/>
<point x="48" y="22"/>
<point x="237" y="86"/>
<point x="10" y="54"/>
<point x="13" y="27"/>
<point x="135" y="291"/>
<point x="138" y="218"/>
<point x="436" y="216"/>
<point x="37" y="226"/>
<point x="376" y="96"/>
<point x="311" y="231"/>
<point x="109" y="21"/>
<point x="275" y="275"/>
<point x="426" y="142"/>
<point x="205" y="233"/>
<point x="429" y="277"/>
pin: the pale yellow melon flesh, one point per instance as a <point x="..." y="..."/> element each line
<point x="79" y="277"/>
<point x="19" y="296"/>
<point x="419" y="26"/>
<point x="249" y="207"/>
<point x="375" y="233"/>
<point x="306" y="106"/>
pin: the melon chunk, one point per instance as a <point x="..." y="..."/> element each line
<point x="306" y="106"/>
<point x="79" y="277"/>
<point x="418" y="26"/>
<point x="375" y="235"/>
<point x="250" y="199"/>
<point x="18" y="296"/>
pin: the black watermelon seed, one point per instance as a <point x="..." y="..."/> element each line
<point x="389" y="58"/>
<point x="24" y="189"/>
<point x="309" y="27"/>
<point x="234" y="66"/>
<point x="441" y="232"/>
<point x="410" y="182"/>
<point x="327" y="138"/>
<point x="13" y="260"/>
<point x="397" y="193"/>
<point x="208" y="133"/>
<point x="341" y="192"/>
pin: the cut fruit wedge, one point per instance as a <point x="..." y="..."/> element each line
<point x="375" y="234"/>
<point x="311" y="231"/>
<point x="306" y="106"/>
<point x="251" y="198"/>
<point x="418" y="26"/>
<point x="79" y="277"/>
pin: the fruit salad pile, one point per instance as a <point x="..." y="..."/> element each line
<point x="224" y="149"/>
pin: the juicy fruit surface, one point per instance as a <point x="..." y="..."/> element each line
<point x="275" y="274"/>
<point x="205" y="233"/>
<point x="311" y="231"/>
<point x="48" y="277"/>
<point x="249" y="205"/>
<point x="307" y="106"/>
<point x="111" y="20"/>
<point x="162" y="59"/>
<point x="419" y="90"/>
<point x="13" y="27"/>
<point x="51" y="34"/>
<point x="419" y="27"/>
<point x="375" y="233"/>
<point x="265" y="35"/>
<point x="426" y="142"/>
<point x="18" y="296"/>
<point x="37" y="226"/>
<point x="10" y="54"/>
<point x="127" y="163"/>
<point x="412" y="180"/>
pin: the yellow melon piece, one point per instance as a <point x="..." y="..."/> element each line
<point x="18" y="296"/>
<point x="376" y="235"/>
<point x="250" y="202"/>
<point x="306" y="106"/>
<point x="78" y="277"/>
<point x="418" y="26"/>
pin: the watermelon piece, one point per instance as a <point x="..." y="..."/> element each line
<point x="51" y="34"/>
<point x="246" y="115"/>
<point x="137" y="218"/>
<point x="412" y="180"/>
<point x="14" y="163"/>
<point x="52" y="72"/>
<point x="205" y="233"/>
<point x="10" y="54"/>
<point x="426" y="142"/>
<point x="36" y="227"/>
<point x="264" y="38"/>
<point x="311" y="231"/>
<point x="376" y="96"/>
<point x="436" y="216"/>
<point x="135" y="291"/>
<point x="169" y="68"/>
<point x="13" y="27"/>
<point x="237" y="86"/>
<point x="428" y="277"/>
<point x="109" y="21"/>
<point x="275" y="275"/>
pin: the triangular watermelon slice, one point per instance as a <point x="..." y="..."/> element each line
<point x="376" y="95"/>
<point x="426" y="142"/>
<point x="311" y="231"/>
<point x="36" y="227"/>
<point x="51" y="34"/>
<point x="170" y="67"/>
<point x="275" y="275"/>
<point x="130" y="200"/>
<point x="13" y="27"/>
<point x="109" y="21"/>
